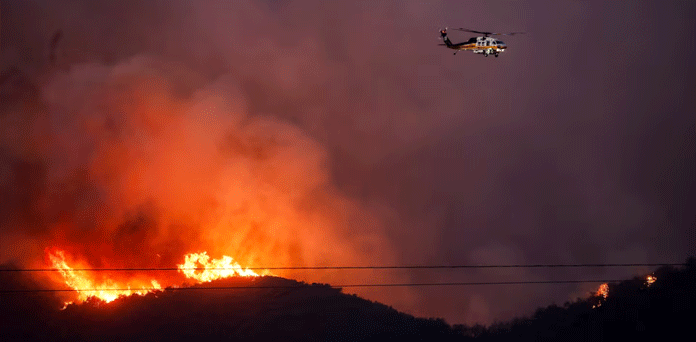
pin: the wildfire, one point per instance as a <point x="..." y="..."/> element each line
<point x="603" y="292"/>
<point x="196" y="266"/>
<point x="86" y="287"/>
<point x="212" y="269"/>
<point x="650" y="279"/>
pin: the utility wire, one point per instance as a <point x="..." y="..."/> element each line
<point x="300" y="286"/>
<point x="342" y="267"/>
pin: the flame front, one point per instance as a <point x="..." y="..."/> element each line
<point x="86" y="287"/>
<point x="212" y="269"/>
<point x="196" y="266"/>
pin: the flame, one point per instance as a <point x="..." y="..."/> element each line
<point x="65" y="305"/>
<point x="212" y="269"/>
<point x="87" y="288"/>
<point x="109" y="290"/>
<point x="650" y="279"/>
<point x="602" y="292"/>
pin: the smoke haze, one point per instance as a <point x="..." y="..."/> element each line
<point x="287" y="133"/>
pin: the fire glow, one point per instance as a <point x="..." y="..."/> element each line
<point x="197" y="266"/>
<point x="650" y="279"/>
<point x="87" y="287"/>
<point x="212" y="269"/>
<point x="602" y="292"/>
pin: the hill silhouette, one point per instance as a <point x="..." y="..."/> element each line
<point x="632" y="311"/>
<point x="272" y="308"/>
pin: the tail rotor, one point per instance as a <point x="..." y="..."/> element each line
<point x="443" y="36"/>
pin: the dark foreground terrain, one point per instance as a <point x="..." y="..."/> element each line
<point x="280" y="309"/>
<point x="272" y="309"/>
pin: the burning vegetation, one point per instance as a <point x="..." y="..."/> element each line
<point x="602" y="293"/>
<point x="90" y="285"/>
<point x="212" y="269"/>
<point x="650" y="279"/>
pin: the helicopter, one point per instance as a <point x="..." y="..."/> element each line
<point x="484" y="45"/>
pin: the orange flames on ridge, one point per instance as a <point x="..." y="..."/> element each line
<point x="87" y="287"/>
<point x="212" y="269"/>
<point x="197" y="266"/>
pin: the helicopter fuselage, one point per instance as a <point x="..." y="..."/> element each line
<point x="485" y="44"/>
<point x="480" y="45"/>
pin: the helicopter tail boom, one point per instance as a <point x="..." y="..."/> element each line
<point x="443" y="33"/>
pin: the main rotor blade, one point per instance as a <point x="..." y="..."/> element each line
<point x="489" y="33"/>
<point x="507" y="34"/>
<point x="472" y="31"/>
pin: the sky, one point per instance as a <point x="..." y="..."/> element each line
<point x="340" y="133"/>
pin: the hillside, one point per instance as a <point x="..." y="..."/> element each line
<point x="273" y="309"/>
<point x="633" y="310"/>
<point x="278" y="309"/>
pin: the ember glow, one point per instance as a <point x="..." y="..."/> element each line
<point x="650" y="279"/>
<point x="602" y="292"/>
<point x="212" y="269"/>
<point x="87" y="287"/>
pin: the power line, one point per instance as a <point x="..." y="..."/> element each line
<point x="309" y="286"/>
<point x="344" y="267"/>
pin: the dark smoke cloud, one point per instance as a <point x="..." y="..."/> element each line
<point x="576" y="145"/>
